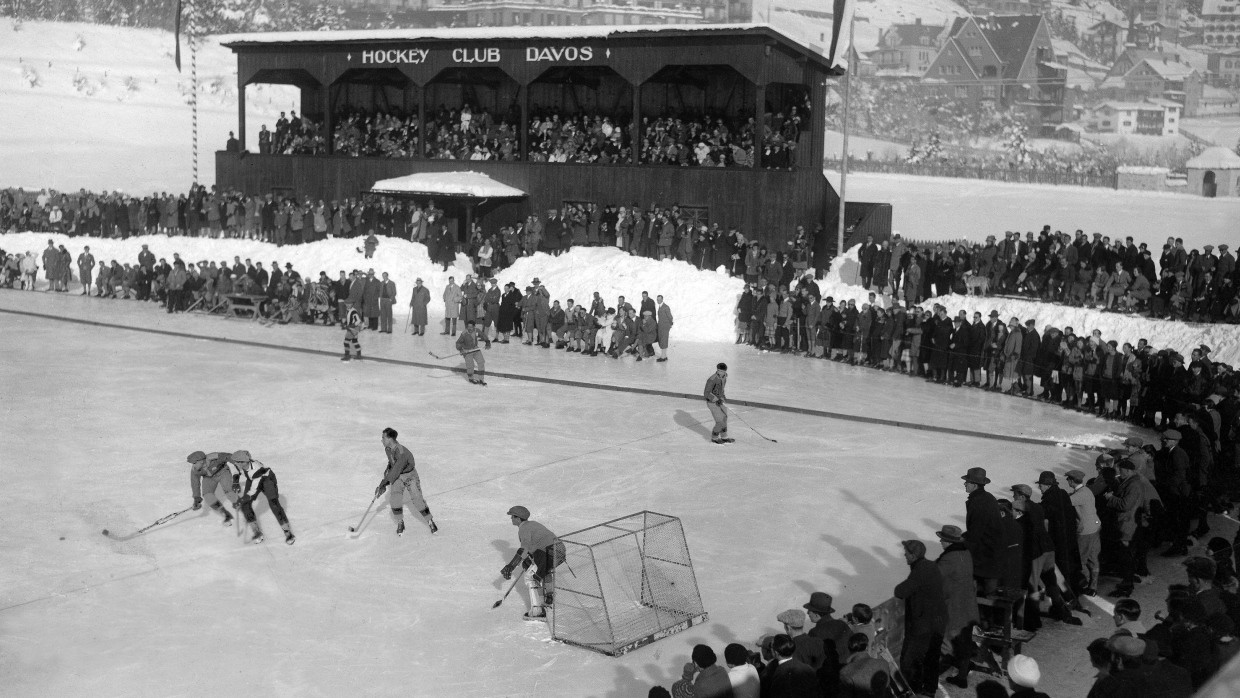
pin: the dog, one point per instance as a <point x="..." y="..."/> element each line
<point x="975" y="282"/>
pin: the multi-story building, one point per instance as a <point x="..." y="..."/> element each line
<point x="1160" y="18"/>
<point x="1005" y="59"/>
<point x="1221" y="22"/>
<point x="907" y="49"/>
<point x="1224" y="68"/>
<point x="579" y="12"/>
<point x="1158" y="117"/>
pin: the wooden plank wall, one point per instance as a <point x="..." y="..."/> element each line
<point x="763" y="204"/>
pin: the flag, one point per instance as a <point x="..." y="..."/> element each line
<point x="841" y="35"/>
<point x="176" y="35"/>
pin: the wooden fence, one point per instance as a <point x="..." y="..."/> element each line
<point x="1104" y="181"/>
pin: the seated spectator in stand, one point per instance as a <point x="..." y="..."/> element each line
<point x="742" y="675"/>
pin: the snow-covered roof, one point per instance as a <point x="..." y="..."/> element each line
<point x="461" y="184"/>
<point x="1167" y="70"/>
<point x="1216" y="158"/>
<point x="499" y="33"/>
<point x="1142" y="170"/>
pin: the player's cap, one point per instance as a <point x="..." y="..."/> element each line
<point x="721" y="366"/>
<point x="195" y="457"/>
<point x="520" y="512"/>
<point x="241" y="457"/>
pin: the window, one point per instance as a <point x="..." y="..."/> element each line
<point x="1106" y="123"/>
<point x="975" y="51"/>
<point x="990" y="71"/>
<point x="925" y="41"/>
<point x="989" y="92"/>
<point x="962" y="91"/>
<point x="1128" y="123"/>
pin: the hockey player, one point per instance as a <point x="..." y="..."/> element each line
<point x="467" y="345"/>
<point x="209" y="472"/>
<point x="540" y="548"/>
<point x="351" y="321"/>
<point x="714" y="400"/>
<point x="248" y="485"/>
<point x="402" y="477"/>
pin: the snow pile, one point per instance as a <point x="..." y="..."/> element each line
<point x="703" y="303"/>
<point x="448" y="183"/>
<point x="1223" y="340"/>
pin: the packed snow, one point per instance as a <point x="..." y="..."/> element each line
<point x="703" y="302"/>
<point x="473" y="184"/>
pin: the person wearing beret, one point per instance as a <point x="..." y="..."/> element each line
<point x="208" y="473"/>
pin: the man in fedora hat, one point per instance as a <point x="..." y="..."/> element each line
<point x="956" y="567"/>
<point x="983" y="531"/>
<point x="832" y="631"/>
<point x="1061" y="523"/>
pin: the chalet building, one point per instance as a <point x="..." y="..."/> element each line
<point x="1157" y="18"/>
<point x="907" y="49"/>
<point x="1224" y="68"/>
<point x="1007" y="7"/>
<point x="1156" y="117"/>
<point x="582" y="12"/>
<point x="1005" y="59"/>
<point x="1110" y="37"/>
<point x="1221" y="22"/>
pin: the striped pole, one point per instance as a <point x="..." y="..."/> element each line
<point x="191" y="32"/>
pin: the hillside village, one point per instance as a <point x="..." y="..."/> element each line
<point x="1073" y="69"/>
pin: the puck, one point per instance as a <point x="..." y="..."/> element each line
<point x="351" y="529"/>
<point x="62" y="537"/>
<point x="105" y="531"/>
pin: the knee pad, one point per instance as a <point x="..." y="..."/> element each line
<point x="426" y="511"/>
<point x="398" y="511"/>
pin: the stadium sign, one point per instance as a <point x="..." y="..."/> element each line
<point x="559" y="53"/>
<point x="393" y="55"/>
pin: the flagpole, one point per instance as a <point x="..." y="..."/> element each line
<point x="191" y="32"/>
<point x="839" y="232"/>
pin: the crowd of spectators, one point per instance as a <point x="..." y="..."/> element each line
<point x="1021" y="559"/>
<point x="473" y="133"/>
<point x="293" y="135"/>
<point x="1069" y="269"/>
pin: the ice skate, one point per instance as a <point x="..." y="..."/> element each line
<point x="434" y="528"/>
<point x="289" y="538"/>
<point x="400" y="528"/>
<point x="257" y="533"/>
<point x="541" y="616"/>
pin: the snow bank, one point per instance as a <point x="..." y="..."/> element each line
<point x="702" y="302"/>
<point x="1223" y="340"/>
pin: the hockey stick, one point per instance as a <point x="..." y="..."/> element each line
<point x="441" y="358"/>
<point x="510" y="588"/>
<point x="353" y="529"/>
<point x="140" y="531"/>
<point x="738" y="416"/>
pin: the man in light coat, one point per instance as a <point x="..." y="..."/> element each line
<point x="665" y="327"/>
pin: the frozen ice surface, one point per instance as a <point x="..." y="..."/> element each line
<point x="97" y="421"/>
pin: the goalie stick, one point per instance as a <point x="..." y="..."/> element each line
<point x="510" y="588"/>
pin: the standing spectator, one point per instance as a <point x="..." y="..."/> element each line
<point x="925" y="619"/>
<point x="833" y="632"/>
<point x="983" y="531"/>
<point x="1130" y="500"/>
<point x="786" y="677"/>
<point x="86" y="263"/>
<point x="809" y="649"/>
<point x="387" y="296"/>
<point x="451" y="306"/>
<point x="417" y="307"/>
<point x="1088" y="531"/>
<point x="370" y="300"/>
<point x="665" y="327"/>
<point x="956" y="567"/>
<point x="1062" y="525"/>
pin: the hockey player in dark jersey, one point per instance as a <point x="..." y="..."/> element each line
<point x="467" y="345"/>
<point x="249" y="482"/>
<point x="402" y="477"/>
<point x="540" y="548"/>
<point x="209" y="472"/>
<point x="351" y="321"/>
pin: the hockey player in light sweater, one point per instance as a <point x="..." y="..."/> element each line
<point x="541" y="549"/>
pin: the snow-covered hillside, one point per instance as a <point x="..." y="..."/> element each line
<point x="104" y="108"/>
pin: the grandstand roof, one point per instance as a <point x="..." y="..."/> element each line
<point x="234" y="41"/>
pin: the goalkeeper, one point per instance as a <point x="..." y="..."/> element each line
<point x="540" y="548"/>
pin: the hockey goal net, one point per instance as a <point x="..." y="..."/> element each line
<point x="625" y="583"/>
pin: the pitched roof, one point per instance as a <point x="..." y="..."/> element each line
<point x="1215" y="7"/>
<point x="912" y="34"/>
<point x="1216" y="158"/>
<point x="1165" y="69"/>
<point x="1011" y="36"/>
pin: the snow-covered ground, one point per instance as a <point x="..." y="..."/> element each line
<point x="98" y="420"/>
<point x="104" y="108"/>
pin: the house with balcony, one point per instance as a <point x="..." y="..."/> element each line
<point x="1151" y="118"/>
<point x="1223" y="68"/>
<point x="1005" y="59"/>
<point x="907" y="49"/>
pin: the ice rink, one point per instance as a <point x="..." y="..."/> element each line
<point x="98" y="418"/>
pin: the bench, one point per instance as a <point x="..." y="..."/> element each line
<point x="1004" y="640"/>
<point x="251" y="307"/>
